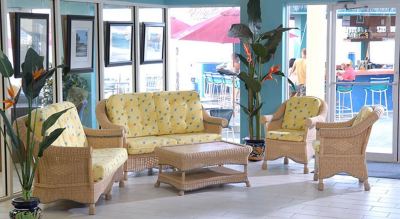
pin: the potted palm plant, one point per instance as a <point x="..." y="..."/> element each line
<point x="25" y="155"/>
<point x="259" y="49"/>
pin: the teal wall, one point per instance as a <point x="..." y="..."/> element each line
<point x="272" y="16"/>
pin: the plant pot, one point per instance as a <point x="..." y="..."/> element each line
<point x="258" y="146"/>
<point x="25" y="209"/>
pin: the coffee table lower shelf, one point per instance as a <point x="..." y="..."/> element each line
<point x="202" y="177"/>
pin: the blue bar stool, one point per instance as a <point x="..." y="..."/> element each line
<point x="378" y="86"/>
<point x="344" y="90"/>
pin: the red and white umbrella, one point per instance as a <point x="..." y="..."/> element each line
<point x="214" y="29"/>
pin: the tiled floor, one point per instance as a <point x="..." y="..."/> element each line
<point x="281" y="192"/>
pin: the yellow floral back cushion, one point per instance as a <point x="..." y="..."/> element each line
<point x="72" y="136"/>
<point x="135" y="111"/>
<point x="362" y="115"/>
<point x="178" y="112"/>
<point x="298" y="109"/>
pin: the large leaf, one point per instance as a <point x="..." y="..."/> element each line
<point x="250" y="83"/>
<point x="273" y="38"/>
<point x="254" y="14"/>
<point x="5" y="66"/>
<point x="269" y="34"/>
<point x="48" y="140"/>
<point x="243" y="60"/>
<point x="16" y="142"/>
<point x="292" y="85"/>
<point x="259" y="50"/>
<point x="32" y="63"/>
<point x="241" y="31"/>
<point x="51" y="120"/>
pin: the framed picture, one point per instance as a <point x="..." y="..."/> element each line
<point x="119" y="45"/>
<point x="80" y="37"/>
<point x="31" y="31"/>
<point x="152" y="43"/>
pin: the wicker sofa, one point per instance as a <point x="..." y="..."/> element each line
<point x="81" y="164"/>
<point x="154" y="119"/>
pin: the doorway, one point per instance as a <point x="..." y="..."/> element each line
<point x="364" y="71"/>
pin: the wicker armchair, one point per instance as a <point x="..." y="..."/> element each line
<point x="341" y="146"/>
<point x="293" y="142"/>
<point x="82" y="164"/>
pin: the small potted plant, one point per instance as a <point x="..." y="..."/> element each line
<point x="24" y="154"/>
<point x="259" y="50"/>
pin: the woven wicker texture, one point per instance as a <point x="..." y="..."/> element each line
<point x="186" y="157"/>
<point x="139" y="162"/>
<point x="342" y="148"/>
<point x="193" y="163"/>
<point x="298" y="151"/>
<point x="66" y="172"/>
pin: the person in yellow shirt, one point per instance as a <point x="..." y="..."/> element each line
<point x="299" y="67"/>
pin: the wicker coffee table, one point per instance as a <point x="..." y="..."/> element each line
<point x="200" y="165"/>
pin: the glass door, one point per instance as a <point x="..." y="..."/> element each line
<point x="364" y="71"/>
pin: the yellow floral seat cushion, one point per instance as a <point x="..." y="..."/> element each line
<point x="106" y="161"/>
<point x="192" y="138"/>
<point x="143" y="145"/>
<point x="298" y="109"/>
<point x="362" y="115"/>
<point x="286" y="135"/>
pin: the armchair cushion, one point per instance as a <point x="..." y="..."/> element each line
<point x="286" y="135"/>
<point x="72" y="136"/>
<point x="362" y="115"/>
<point x="143" y="145"/>
<point x="192" y="138"/>
<point x="136" y="112"/>
<point x="179" y="112"/>
<point x="298" y="109"/>
<point x="106" y="161"/>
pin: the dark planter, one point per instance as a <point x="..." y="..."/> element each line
<point x="258" y="146"/>
<point x="25" y="209"/>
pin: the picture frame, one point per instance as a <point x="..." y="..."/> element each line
<point x="152" y="43"/>
<point x="119" y="43"/>
<point x="80" y="43"/>
<point x="30" y="30"/>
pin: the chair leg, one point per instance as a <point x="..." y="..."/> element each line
<point x="305" y="169"/>
<point x="286" y="161"/>
<point x="108" y="196"/>
<point x="92" y="209"/>
<point x="150" y="172"/>
<point x="315" y="175"/>
<point x="321" y="185"/>
<point x="125" y="175"/>
<point x="121" y="183"/>
<point x="264" y="165"/>
<point x="366" y="185"/>
<point x="361" y="180"/>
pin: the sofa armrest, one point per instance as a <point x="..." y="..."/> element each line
<point x="105" y="138"/>
<point x="213" y="124"/>
<point x="65" y="166"/>
<point x="102" y="118"/>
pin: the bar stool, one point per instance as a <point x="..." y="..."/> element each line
<point x="378" y="86"/>
<point x="343" y="90"/>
